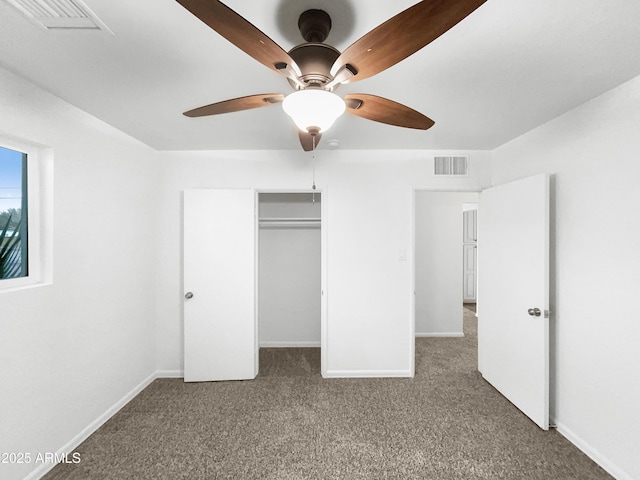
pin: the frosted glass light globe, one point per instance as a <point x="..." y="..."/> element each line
<point x="313" y="109"/>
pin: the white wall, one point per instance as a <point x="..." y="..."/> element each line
<point x="593" y="153"/>
<point x="71" y="350"/>
<point x="439" y="262"/>
<point x="368" y="197"/>
<point x="289" y="273"/>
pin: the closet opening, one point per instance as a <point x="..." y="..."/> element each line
<point x="289" y="282"/>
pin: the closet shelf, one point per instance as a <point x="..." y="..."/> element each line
<point x="289" y="222"/>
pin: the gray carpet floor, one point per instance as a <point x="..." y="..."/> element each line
<point x="290" y="423"/>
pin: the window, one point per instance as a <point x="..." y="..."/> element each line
<point x="14" y="224"/>
<point x="26" y="214"/>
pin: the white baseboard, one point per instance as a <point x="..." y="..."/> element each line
<point x="85" y="433"/>
<point x="592" y="453"/>
<point x="289" y="344"/>
<point x="367" y="373"/>
<point x="441" y="334"/>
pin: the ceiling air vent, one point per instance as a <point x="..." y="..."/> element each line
<point x="59" y="14"/>
<point x="451" y="166"/>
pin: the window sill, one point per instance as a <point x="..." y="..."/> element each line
<point x="20" y="284"/>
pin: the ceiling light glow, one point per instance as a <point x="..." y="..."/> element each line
<point x="313" y="110"/>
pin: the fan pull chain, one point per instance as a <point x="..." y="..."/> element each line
<point x="313" y="187"/>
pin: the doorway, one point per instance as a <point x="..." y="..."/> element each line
<point x="513" y="338"/>
<point x="444" y="245"/>
<point x="221" y="230"/>
<point x="289" y="272"/>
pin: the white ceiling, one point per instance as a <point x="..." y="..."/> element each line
<point x="505" y="69"/>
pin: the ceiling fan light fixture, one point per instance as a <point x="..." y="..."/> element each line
<point x="313" y="110"/>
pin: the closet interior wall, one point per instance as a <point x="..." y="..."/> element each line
<point x="289" y="260"/>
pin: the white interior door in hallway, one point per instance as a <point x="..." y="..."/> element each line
<point x="469" y="252"/>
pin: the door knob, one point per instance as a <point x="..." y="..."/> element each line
<point x="188" y="295"/>
<point x="534" y="312"/>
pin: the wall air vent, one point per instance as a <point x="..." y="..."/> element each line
<point x="451" y="166"/>
<point x="59" y="14"/>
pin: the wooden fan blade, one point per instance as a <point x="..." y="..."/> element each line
<point x="402" y="35"/>
<point x="386" y="111"/>
<point x="306" y="140"/>
<point x="240" y="32"/>
<point x="237" y="104"/>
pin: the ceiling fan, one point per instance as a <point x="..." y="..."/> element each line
<point x="315" y="69"/>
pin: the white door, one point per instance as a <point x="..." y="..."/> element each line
<point x="219" y="285"/>
<point x="469" y="255"/>
<point x="513" y="293"/>
<point x="470" y="226"/>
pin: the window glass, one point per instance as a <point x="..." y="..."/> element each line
<point x="13" y="214"/>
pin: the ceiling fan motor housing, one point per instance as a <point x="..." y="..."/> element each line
<point x="315" y="61"/>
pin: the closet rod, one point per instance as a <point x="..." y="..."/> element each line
<point x="288" y="222"/>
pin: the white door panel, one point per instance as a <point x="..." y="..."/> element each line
<point x="513" y="269"/>
<point x="470" y="233"/>
<point x="469" y="261"/>
<point x="219" y="270"/>
<point x="469" y="240"/>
